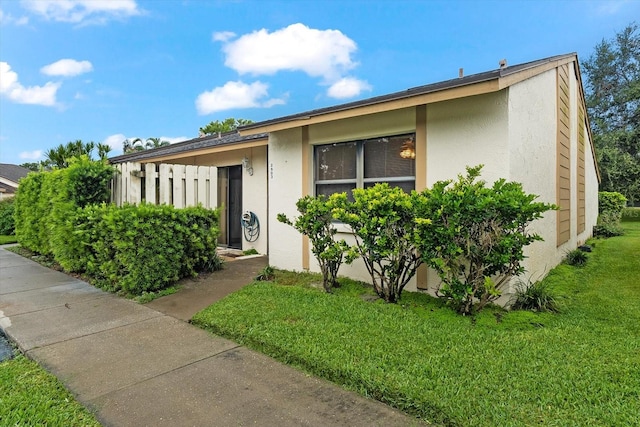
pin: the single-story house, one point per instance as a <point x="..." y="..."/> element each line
<point x="9" y="177"/>
<point x="525" y="123"/>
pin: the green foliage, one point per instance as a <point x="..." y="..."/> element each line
<point x="576" y="257"/>
<point x="29" y="395"/>
<point x="419" y="356"/>
<point x="227" y="125"/>
<point x="130" y="146"/>
<point x="610" y="205"/>
<point x="611" y="202"/>
<point x="7" y="222"/>
<point x="251" y="251"/>
<point x="382" y="221"/>
<point x="631" y="214"/>
<point x="32" y="166"/>
<point x="60" y="156"/>
<point x="612" y="93"/>
<point x="316" y="222"/>
<point x="267" y="274"/>
<point x="5" y="240"/>
<point x="473" y="236"/>
<point x="145" y="248"/>
<point x="535" y="296"/>
<point x="28" y="218"/>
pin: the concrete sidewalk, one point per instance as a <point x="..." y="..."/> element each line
<point x="135" y="366"/>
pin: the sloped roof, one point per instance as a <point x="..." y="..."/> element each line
<point x="12" y="172"/>
<point x="503" y="77"/>
<point x="199" y="143"/>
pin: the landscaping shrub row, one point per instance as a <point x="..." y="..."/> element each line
<point x="64" y="214"/>
<point x="7" y="223"/>
<point x="144" y="248"/>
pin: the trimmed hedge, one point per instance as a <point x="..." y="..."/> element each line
<point x="147" y="247"/>
<point x="64" y="214"/>
<point x="7" y="222"/>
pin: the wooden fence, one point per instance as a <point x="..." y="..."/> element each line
<point x="177" y="185"/>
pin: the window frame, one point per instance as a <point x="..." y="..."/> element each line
<point x="360" y="181"/>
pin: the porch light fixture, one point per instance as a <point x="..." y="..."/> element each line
<point x="408" y="149"/>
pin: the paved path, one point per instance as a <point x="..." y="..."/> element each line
<point x="135" y="366"/>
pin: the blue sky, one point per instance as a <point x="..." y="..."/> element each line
<point x="106" y="70"/>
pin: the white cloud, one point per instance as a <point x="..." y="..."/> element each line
<point x="83" y="11"/>
<point x="234" y="95"/>
<point x="611" y="7"/>
<point x="347" y="87"/>
<point x="15" y="91"/>
<point x="6" y="18"/>
<point x="67" y="68"/>
<point x="115" y="141"/>
<point x="223" y="36"/>
<point x="31" y="155"/>
<point x="318" y="53"/>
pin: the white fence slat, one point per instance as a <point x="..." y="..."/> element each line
<point x="165" y="184"/>
<point x="177" y="185"/>
<point x="135" y="192"/>
<point x="203" y="182"/>
<point x="190" y="182"/>
<point x="150" y="183"/>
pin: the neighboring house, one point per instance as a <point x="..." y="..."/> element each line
<point x="9" y="177"/>
<point x="525" y="123"/>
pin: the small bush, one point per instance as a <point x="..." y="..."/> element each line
<point x="535" y="297"/>
<point x="251" y="251"/>
<point x="7" y="222"/>
<point x="576" y="257"/>
<point x="611" y="206"/>
<point x="267" y="274"/>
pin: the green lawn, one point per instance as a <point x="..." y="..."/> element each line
<point x="7" y="239"/>
<point x="29" y="396"/>
<point x="580" y="367"/>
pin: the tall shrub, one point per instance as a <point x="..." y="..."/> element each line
<point x="610" y="208"/>
<point x="27" y="216"/>
<point x="84" y="182"/>
<point x="473" y="236"/>
<point x="382" y="221"/>
<point x="316" y="222"/>
<point x="7" y="221"/>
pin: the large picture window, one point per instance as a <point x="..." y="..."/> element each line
<point x="341" y="167"/>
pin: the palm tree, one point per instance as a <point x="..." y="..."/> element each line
<point x="155" y="143"/>
<point x="59" y="157"/>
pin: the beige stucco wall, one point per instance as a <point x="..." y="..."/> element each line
<point x="468" y="132"/>
<point x="285" y="188"/>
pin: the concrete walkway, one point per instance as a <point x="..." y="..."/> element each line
<point x="135" y="366"/>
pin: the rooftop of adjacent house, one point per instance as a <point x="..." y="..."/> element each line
<point x="12" y="172"/>
<point x="199" y="143"/>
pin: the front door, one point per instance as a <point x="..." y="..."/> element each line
<point x="230" y="199"/>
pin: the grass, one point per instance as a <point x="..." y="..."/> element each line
<point x="577" y="367"/>
<point x="31" y="396"/>
<point x="4" y="240"/>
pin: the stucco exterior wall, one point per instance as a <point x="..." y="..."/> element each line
<point x="532" y="159"/>
<point x="285" y="188"/>
<point x="468" y="132"/>
<point x="381" y="124"/>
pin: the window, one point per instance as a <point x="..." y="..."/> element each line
<point x="341" y="167"/>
